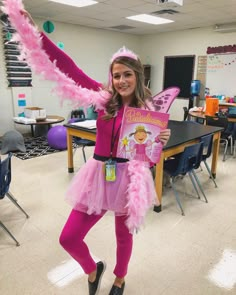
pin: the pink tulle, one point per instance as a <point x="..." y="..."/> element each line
<point x="132" y="193"/>
<point x="31" y="47"/>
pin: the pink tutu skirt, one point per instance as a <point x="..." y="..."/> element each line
<point x="90" y="193"/>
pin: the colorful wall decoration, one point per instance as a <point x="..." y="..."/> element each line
<point x="221" y="49"/>
<point x="17" y="71"/>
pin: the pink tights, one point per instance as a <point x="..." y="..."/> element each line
<point x="75" y="230"/>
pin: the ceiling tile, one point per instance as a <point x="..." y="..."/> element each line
<point x="194" y="13"/>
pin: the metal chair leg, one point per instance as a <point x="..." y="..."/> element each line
<point x="9" y="195"/>
<point x="225" y="150"/>
<point x="84" y="153"/>
<point x="234" y="154"/>
<point x="209" y="171"/>
<point x="231" y="145"/>
<point x="194" y="184"/>
<point x="201" y="167"/>
<point x="9" y="233"/>
<point x="199" y="185"/>
<point x="177" y="196"/>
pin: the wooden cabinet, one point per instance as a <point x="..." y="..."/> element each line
<point x="147" y="75"/>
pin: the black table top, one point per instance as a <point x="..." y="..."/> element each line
<point x="181" y="131"/>
<point x="184" y="131"/>
<point x="94" y="131"/>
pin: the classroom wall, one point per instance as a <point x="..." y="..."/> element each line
<point x="91" y="49"/>
<point x="188" y="42"/>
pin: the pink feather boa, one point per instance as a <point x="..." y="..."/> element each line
<point x="31" y="48"/>
<point x="139" y="200"/>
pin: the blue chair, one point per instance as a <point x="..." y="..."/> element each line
<point x="232" y="126"/>
<point x="185" y="163"/>
<point x="206" y="153"/>
<point x="81" y="142"/>
<point x="226" y="135"/>
<point x="5" y="180"/>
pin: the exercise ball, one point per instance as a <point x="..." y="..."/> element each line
<point x="57" y="138"/>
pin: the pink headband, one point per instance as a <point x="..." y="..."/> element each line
<point x="123" y="51"/>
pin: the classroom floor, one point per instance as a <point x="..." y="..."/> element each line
<point x="190" y="255"/>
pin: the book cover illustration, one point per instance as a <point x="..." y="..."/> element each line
<point x="139" y="134"/>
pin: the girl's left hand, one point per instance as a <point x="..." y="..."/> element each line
<point x="164" y="136"/>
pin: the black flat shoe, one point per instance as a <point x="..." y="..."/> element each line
<point x="116" y="290"/>
<point x="95" y="286"/>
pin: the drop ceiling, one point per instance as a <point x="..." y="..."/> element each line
<point x="111" y="14"/>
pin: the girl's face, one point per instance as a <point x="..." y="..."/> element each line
<point x="124" y="82"/>
<point x="140" y="136"/>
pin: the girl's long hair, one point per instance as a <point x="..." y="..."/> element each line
<point x="141" y="93"/>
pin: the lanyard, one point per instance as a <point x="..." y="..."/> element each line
<point x="114" y="136"/>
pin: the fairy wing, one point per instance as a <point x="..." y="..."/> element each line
<point x="163" y="100"/>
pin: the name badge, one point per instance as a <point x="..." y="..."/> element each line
<point x="110" y="170"/>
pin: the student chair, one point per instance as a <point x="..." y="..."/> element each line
<point x="206" y="153"/>
<point x="5" y="180"/>
<point x="81" y="142"/>
<point x="226" y="136"/>
<point x="185" y="113"/>
<point x="187" y="117"/>
<point x="78" y="141"/>
<point x="185" y="163"/>
<point x="232" y="126"/>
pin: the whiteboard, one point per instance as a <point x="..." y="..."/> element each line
<point x="221" y="74"/>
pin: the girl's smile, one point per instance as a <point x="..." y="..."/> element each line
<point x="124" y="82"/>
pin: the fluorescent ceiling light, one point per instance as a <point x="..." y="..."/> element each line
<point x="76" y="3"/>
<point x="150" y="19"/>
<point x="225" y="28"/>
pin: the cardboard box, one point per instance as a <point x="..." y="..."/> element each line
<point x="35" y="113"/>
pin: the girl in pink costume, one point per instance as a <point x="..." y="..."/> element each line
<point x="132" y="192"/>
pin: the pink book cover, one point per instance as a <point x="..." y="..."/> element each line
<point x="139" y="134"/>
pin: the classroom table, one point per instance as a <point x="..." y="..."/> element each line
<point x="224" y="104"/>
<point x="183" y="133"/>
<point x="201" y="115"/>
<point x="49" y="120"/>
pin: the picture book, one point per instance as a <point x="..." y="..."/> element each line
<point x="139" y="134"/>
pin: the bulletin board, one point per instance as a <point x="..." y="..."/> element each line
<point x="220" y="76"/>
<point x="201" y="76"/>
<point x="21" y="98"/>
